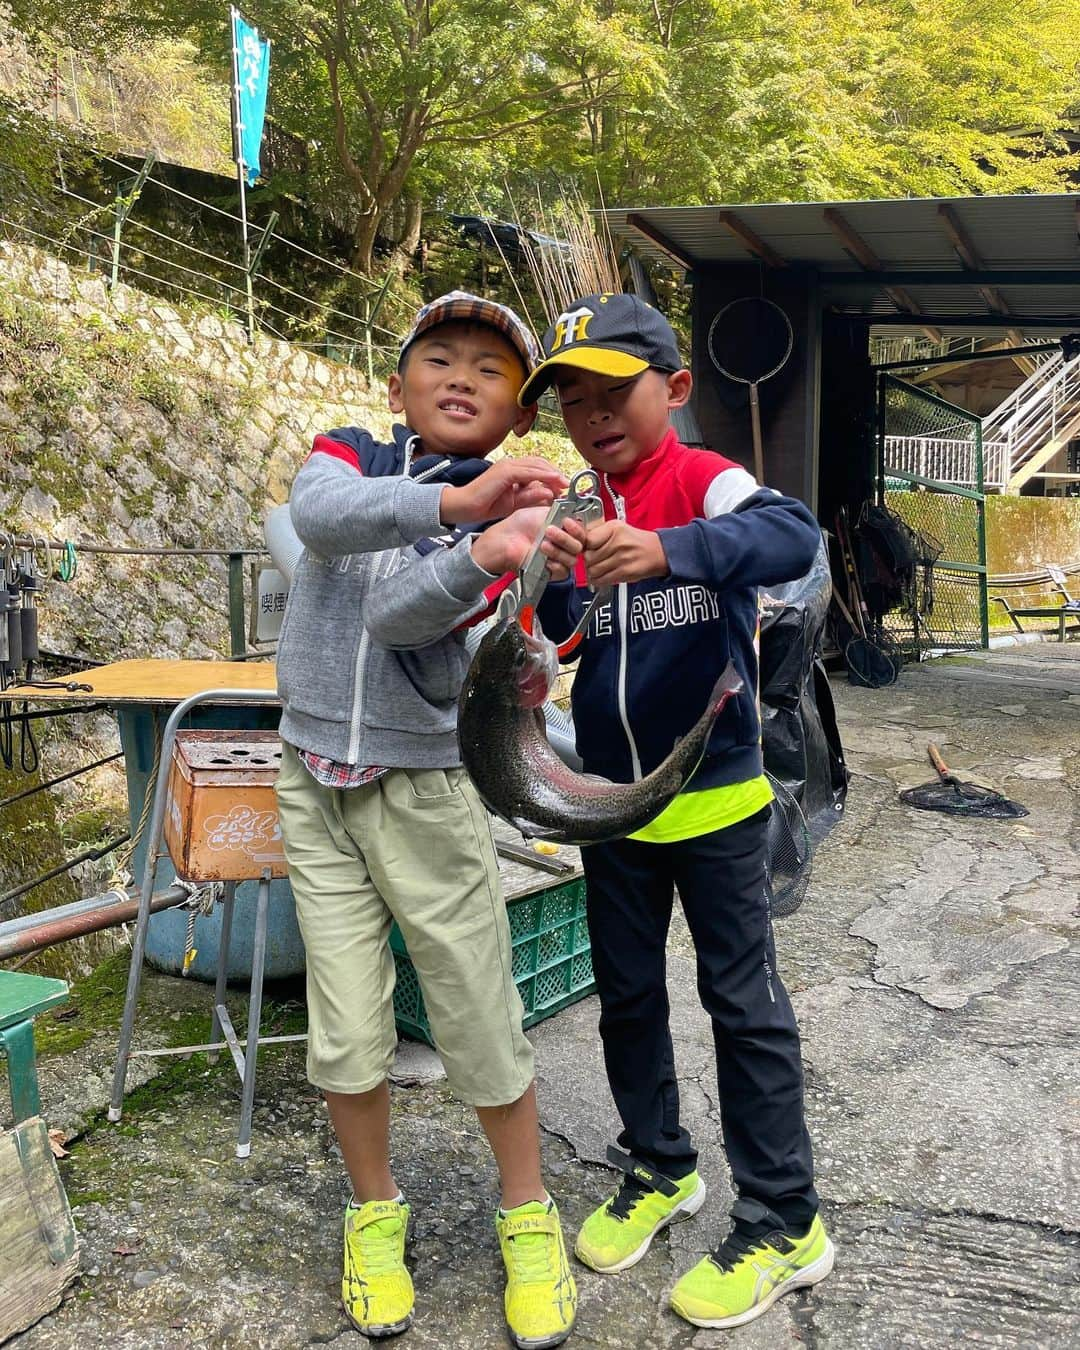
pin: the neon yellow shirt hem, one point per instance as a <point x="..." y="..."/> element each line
<point x="692" y="814"/>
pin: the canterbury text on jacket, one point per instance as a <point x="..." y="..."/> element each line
<point x="371" y="656"/>
<point x="653" y="653"/>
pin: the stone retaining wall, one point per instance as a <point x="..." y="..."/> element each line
<point x="125" y="421"/>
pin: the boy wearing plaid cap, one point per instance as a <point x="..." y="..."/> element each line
<point x="687" y="539"/>
<point x="380" y="823"/>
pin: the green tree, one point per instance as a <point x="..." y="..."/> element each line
<point x="375" y="86"/>
<point x="840" y="99"/>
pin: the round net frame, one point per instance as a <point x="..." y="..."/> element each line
<point x="750" y="340"/>
<point x="789" y="851"/>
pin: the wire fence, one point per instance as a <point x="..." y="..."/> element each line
<point x="948" y="608"/>
<point x="121" y="237"/>
<point x="108" y="235"/>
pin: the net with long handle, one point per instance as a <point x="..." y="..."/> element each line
<point x="948" y="793"/>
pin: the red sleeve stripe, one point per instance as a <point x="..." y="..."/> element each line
<point x="492" y="592"/>
<point x="491" y="595"/>
<point x="325" y="446"/>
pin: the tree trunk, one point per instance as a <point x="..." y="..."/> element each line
<point x="363" y="256"/>
<point x="410" y="234"/>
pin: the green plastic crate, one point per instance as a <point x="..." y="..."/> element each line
<point x="551" y="958"/>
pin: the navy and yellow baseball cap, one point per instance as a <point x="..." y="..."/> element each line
<point x="607" y="334"/>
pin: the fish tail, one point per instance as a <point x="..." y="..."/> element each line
<point x="727" y="686"/>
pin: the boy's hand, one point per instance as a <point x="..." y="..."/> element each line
<point x="504" y="547"/>
<point x="505" y="487"/>
<point x="616" y="551"/>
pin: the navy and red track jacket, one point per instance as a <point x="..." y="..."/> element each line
<point x="653" y="653"/>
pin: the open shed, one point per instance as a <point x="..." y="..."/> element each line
<point x="1001" y="268"/>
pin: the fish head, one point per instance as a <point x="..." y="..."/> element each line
<point x="516" y="667"/>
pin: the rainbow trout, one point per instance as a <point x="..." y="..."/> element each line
<point x="505" y="750"/>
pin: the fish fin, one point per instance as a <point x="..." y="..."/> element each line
<point x="530" y="830"/>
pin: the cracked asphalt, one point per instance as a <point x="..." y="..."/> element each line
<point x="933" y="967"/>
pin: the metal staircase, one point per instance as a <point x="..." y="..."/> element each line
<point x="1038" y="419"/>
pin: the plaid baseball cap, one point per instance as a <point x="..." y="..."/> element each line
<point x="607" y="334"/>
<point x="462" y="307"/>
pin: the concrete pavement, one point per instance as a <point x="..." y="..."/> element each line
<point x="933" y="967"/>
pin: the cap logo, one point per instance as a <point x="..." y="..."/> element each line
<point x="572" y="326"/>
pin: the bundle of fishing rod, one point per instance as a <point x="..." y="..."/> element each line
<point x="21" y="583"/>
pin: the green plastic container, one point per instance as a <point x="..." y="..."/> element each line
<point x="552" y="958"/>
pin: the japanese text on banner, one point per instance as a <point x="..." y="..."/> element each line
<point x="251" y="57"/>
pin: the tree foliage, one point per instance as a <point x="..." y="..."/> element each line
<point x="413" y="105"/>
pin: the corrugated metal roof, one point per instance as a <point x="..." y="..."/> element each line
<point x="1020" y="233"/>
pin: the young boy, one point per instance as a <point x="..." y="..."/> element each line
<point x="380" y="822"/>
<point x="687" y="540"/>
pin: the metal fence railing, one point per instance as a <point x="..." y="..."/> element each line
<point x="949" y="607"/>
<point x="948" y="459"/>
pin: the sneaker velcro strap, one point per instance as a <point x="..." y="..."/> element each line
<point x="520" y="1226"/>
<point x="754" y="1212"/>
<point x="634" y="1167"/>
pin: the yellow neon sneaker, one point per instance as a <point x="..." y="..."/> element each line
<point x="376" y="1288"/>
<point x="617" y="1235"/>
<point x="541" y="1297"/>
<point x="756" y="1263"/>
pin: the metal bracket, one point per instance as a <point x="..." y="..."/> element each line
<point x="260" y="247"/>
<point x="127" y="194"/>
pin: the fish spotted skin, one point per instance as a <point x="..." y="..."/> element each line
<point x="519" y="777"/>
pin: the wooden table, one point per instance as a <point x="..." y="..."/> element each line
<point x="164" y="681"/>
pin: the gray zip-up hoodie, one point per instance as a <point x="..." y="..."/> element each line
<point x="369" y="664"/>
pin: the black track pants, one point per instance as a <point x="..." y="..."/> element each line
<point x="721" y="881"/>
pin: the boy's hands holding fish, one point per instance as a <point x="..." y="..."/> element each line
<point x="507" y="486"/>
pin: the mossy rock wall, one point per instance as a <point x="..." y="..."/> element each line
<point x="131" y="422"/>
<point x="1023" y="534"/>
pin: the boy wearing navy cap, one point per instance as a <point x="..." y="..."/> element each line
<point x="687" y="539"/>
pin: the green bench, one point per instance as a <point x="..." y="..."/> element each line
<point x="22" y="997"/>
<point x="1063" y="610"/>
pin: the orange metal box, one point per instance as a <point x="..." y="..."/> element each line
<point x="221" y="820"/>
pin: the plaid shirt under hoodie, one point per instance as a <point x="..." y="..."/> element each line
<point x="353" y="447"/>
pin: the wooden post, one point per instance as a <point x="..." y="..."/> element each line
<point x="39" y="1255"/>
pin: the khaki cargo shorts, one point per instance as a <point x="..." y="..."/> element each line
<point x="414" y="846"/>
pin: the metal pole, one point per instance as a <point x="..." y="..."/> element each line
<point x="367" y="344"/>
<point x="251" y="1052"/>
<point x="237" y="627"/>
<point x="33" y="932"/>
<point x="153" y="841"/>
<point x="238" y="155"/>
<point x="224" y="940"/>
<point x="118" y="223"/>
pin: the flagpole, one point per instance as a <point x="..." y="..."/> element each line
<point x="238" y="147"/>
